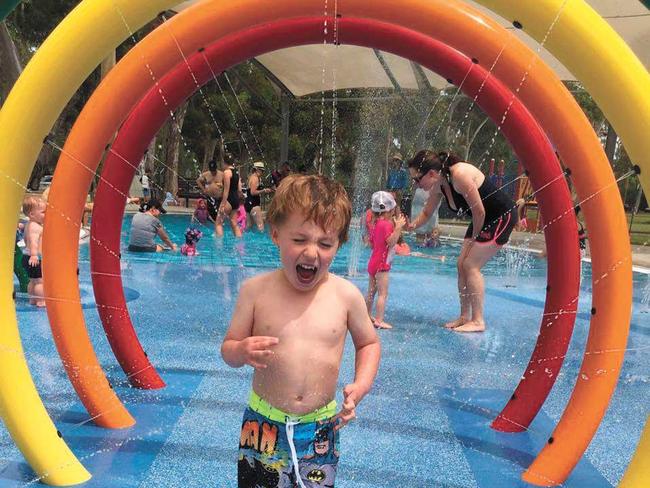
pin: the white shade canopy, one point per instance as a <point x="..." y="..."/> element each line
<point x="301" y="69"/>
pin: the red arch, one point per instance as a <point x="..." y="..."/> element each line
<point x="528" y="140"/>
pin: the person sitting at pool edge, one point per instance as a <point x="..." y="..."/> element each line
<point x="290" y="325"/>
<point x="467" y="191"/>
<point x="145" y="226"/>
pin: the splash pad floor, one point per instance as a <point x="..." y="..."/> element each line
<point x="426" y="423"/>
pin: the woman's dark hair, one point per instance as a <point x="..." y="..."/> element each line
<point x="426" y="160"/>
<point x="229" y="159"/>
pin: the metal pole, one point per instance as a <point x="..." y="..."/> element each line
<point x="610" y="143"/>
<point x="635" y="210"/>
<point x="284" y="144"/>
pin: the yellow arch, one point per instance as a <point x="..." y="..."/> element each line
<point x="60" y="67"/>
<point x="638" y="471"/>
<point x="596" y="55"/>
<point x="50" y="79"/>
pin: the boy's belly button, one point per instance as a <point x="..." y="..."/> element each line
<point x="299" y="398"/>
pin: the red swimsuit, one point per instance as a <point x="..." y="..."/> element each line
<point x="382" y="253"/>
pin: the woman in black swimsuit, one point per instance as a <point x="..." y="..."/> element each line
<point x="230" y="200"/>
<point x="253" y="202"/>
<point x="467" y="192"/>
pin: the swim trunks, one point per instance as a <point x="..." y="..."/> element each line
<point x="34" y="272"/>
<point x="277" y="450"/>
<point x="134" y="248"/>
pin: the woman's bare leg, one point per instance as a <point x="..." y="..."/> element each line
<point x="233" y="223"/>
<point x="221" y="216"/>
<point x="478" y="255"/>
<point x="256" y="213"/>
<point x="463" y="293"/>
<point x="218" y="225"/>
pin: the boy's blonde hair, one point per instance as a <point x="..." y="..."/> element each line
<point x="31" y="203"/>
<point x="320" y="199"/>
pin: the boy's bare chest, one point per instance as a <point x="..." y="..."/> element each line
<point x="318" y="319"/>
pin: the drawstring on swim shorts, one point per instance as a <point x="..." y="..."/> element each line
<point x="294" y="456"/>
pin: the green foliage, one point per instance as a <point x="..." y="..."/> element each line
<point x="33" y="20"/>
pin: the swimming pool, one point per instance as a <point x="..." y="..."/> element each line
<point x="257" y="250"/>
<point x="426" y="423"/>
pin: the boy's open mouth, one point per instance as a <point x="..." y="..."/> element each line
<point x="306" y="273"/>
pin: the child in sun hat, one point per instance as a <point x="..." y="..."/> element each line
<point x="384" y="237"/>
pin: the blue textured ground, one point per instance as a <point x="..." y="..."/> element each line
<point x="426" y="424"/>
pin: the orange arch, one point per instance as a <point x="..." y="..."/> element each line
<point x="477" y="37"/>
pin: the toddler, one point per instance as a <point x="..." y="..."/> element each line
<point x="192" y="237"/>
<point x="384" y="237"/>
<point x="201" y="214"/>
<point x="34" y="208"/>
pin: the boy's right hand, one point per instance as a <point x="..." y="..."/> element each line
<point x="400" y="222"/>
<point x="256" y="350"/>
<point x="33" y="261"/>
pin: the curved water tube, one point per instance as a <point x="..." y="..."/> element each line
<point x="638" y="471"/>
<point x="158" y="52"/>
<point x="529" y="143"/>
<point x="581" y="39"/>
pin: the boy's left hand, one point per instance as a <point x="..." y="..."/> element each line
<point x="347" y="413"/>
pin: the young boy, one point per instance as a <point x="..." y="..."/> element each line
<point x="290" y="325"/>
<point x="34" y="208"/>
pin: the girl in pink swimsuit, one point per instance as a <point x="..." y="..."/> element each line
<point x="383" y="238"/>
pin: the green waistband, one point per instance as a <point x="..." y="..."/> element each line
<point x="261" y="406"/>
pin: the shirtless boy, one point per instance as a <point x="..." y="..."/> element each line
<point x="290" y="325"/>
<point x="211" y="185"/>
<point x="34" y="208"/>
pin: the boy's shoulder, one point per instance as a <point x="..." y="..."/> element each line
<point x="344" y="288"/>
<point x="31" y="224"/>
<point x="261" y="281"/>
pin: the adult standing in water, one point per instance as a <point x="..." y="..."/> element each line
<point x="211" y="185"/>
<point x="230" y="200"/>
<point x="279" y="174"/>
<point x="467" y="192"/>
<point x="253" y="202"/>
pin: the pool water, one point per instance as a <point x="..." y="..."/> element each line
<point x="257" y="250"/>
<point x="425" y="424"/>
